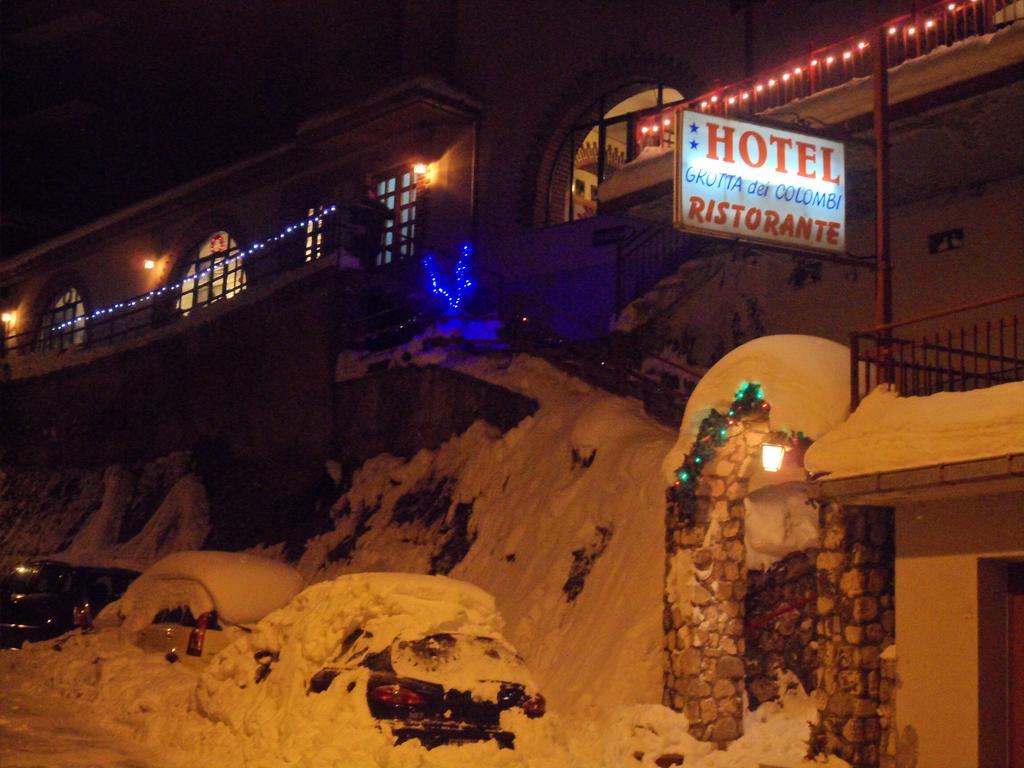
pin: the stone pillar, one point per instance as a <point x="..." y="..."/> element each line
<point x="704" y="675"/>
<point x="856" y="622"/>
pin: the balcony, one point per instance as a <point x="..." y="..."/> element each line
<point x="969" y="347"/>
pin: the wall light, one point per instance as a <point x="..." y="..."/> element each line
<point x="419" y="169"/>
<point x="8" y="318"/>
<point x="772" y="455"/>
<point x="149" y="264"/>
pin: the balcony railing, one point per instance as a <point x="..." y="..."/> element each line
<point x="137" y="315"/>
<point x="967" y="354"/>
<point x="906" y="37"/>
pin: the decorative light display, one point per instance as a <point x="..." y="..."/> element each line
<point x="221" y="265"/>
<point x="453" y="295"/>
<point x="941" y="23"/>
<point x="712" y="434"/>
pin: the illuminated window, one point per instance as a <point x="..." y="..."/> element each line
<point x="211" y="276"/>
<point x="62" y="325"/>
<point x="398" y="194"/>
<point x="314" y="234"/>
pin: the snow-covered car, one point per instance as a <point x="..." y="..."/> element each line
<point x="190" y="605"/>
<point x="404" y="656"/>
<point x="441" y="688"/>
<point x="42" y="599"/>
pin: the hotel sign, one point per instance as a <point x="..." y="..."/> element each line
<point x="736" y="179"/>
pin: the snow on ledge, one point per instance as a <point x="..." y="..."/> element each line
<point x="653" y="165"/>
<point x="805" y="379"/>
<point x="888" y="432"/>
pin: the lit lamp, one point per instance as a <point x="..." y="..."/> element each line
<point x="772" y="455"/>
<point x="419" y="169"/>
<point x="149" y="264"/>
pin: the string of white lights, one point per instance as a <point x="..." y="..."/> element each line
<point x="301" y="226"/>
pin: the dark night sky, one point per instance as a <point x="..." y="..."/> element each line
<point x="105" y="103"/>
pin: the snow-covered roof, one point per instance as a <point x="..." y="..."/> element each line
<point x="652" y="165"/>
<point x="888" y="432"/>
<point x="805" y="379"/>
<point x="242" y="588"/>
<point x="940" y="68"/>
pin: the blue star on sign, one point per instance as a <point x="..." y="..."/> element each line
<point x="693" y="144"/>
<point x="693" y="127"/>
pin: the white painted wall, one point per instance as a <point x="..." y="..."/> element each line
<point x="951" y="693"/>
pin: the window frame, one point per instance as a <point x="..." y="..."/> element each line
<point x="204" y="291"/>
<point x="398" y="238"/>
<point x="66" y="304"/>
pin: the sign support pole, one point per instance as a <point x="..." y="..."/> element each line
<point x="883" y="272"/>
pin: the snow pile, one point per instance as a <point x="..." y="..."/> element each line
<point x="779" y="520"/>
<point x="563" y="521"/>
<point x="182" y="521"/>
<point x="889" y="432"/>
<point x="334" y="625"/>
<point x="805" y="379"/>
<point x="776" y="734"/>
<point x="242" y="588"/>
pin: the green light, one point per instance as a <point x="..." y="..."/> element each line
<point x="723" y="432"/>
<point x="760" y="394"/>
<point x="697" y="459"/>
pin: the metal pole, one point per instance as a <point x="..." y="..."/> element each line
<point x="618" y="278"/>
<point x="883" y="272"/>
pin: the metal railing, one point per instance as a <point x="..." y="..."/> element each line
<point x="645" y="258"/>
<point x="961" y="357"/>
<point x="906" y="37"/>
<point x="137" y="315"/>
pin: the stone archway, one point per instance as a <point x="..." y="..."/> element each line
<point x="706" y="590"/>
<point x="705" y="537"/>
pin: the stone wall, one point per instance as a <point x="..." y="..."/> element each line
<point x="254" y="373"/>
<point x="405" y="409"/>
<point x="856" y="622"/>
<point x="705" y="669"/>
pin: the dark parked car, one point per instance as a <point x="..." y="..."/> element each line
<point x="46" y="598"/>
<point x="445" y="688"/>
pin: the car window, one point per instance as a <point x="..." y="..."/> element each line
<point x="486" y="656"/>
<point x="36" y="579"/>
<point x="183" y="615"/>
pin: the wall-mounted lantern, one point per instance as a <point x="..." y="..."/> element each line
<point x="772" y="455"/>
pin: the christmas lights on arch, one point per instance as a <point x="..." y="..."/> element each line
<point x="712" y="435"/>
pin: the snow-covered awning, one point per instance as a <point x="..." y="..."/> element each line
<point x="944" y="444"/>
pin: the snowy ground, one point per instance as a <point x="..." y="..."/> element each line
<point x="109" y="704"/>
<point x="577" y="488"/>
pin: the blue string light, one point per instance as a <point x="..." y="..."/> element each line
<point x="223" y="264"/>
<point x="452" y="296"/>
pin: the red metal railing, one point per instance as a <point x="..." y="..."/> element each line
<point x="961" y="357"/>
<point x="906" y="37"/>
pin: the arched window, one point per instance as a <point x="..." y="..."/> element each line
<point x="62" y="324"/>
<point x="613" y="132"/>
<point x="209" y="278"/>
